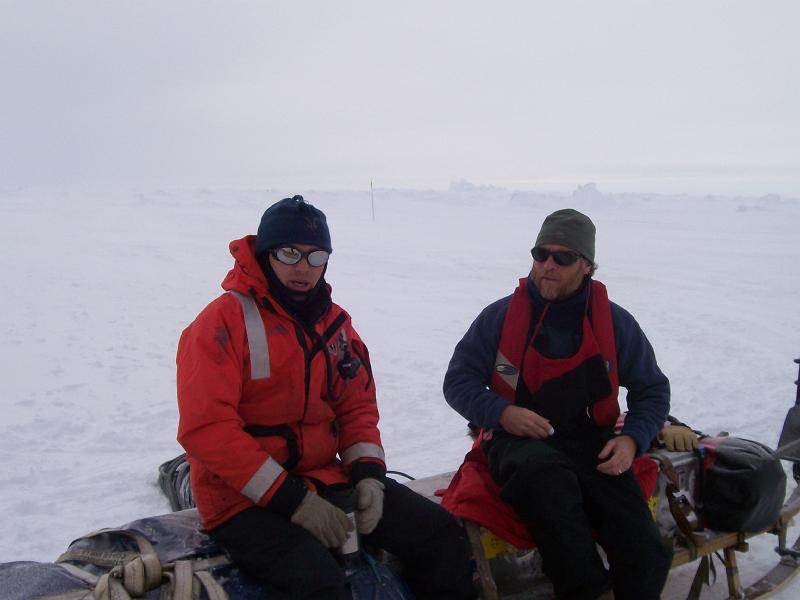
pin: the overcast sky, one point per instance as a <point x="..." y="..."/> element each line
<point x="684" y="96"/>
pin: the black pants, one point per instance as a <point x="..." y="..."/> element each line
<point x="567" y="504"/>
<point x="429" y="541"/>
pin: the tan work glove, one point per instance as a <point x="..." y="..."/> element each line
<point x="370" y="504"/>
<point x="679" y="438"/>
<point x="323" y="520"/>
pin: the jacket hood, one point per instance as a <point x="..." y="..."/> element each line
<point x="246" y="273"/>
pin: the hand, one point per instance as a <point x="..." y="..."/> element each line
<point x="323" y="520"/>
<point x="679" y="438"/>
<point x="525" y="423"/>
<point x="617" y="455"/>
<point x="370" y="504"/>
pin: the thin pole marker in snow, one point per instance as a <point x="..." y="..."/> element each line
<point x="372" y="199"/>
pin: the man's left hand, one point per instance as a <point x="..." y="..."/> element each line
<point x="617" y="455"/>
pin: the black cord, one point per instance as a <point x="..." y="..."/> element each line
<point x="406" y="475"/>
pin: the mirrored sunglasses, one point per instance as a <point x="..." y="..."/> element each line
<point x="291" y="256"/>
<point x="563" y="258"/>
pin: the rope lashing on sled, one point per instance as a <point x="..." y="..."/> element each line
<point x="679" y="506"/>
<point x="132" y="574"/>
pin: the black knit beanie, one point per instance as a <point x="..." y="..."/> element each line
<point x="570" y="228"/>
<point x="292" y="221"/>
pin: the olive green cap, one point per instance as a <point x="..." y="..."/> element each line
<point x="570" y="228"/>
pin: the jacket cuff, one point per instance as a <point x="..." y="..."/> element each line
<point x="288" y="496"/>
<point x="364" y="469"/>
<point x="642" y="444"/>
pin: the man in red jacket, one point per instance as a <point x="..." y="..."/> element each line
<point x="278" y="411"/>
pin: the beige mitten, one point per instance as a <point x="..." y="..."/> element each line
<point x="370" y="504"/>
<point x="322" y="519"/>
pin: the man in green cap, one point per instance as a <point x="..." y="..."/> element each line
<point x="538" y="372"/>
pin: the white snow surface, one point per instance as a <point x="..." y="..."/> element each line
<point x="100" y="284"/>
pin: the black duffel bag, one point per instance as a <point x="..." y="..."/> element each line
<point x="743" y="485"/>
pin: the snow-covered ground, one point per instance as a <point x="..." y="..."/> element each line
<point x="99" y="285"/>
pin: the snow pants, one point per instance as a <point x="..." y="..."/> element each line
<point x="568" y="505"/>
<point x="429" y="541"/>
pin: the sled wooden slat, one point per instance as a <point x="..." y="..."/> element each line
<point x="732" y="573"/>
<point x="713" y="543"/>
<point x="487" y="583"/>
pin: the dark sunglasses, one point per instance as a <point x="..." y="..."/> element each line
<point x="291" y="256"/>
<point x="563" y="258"/>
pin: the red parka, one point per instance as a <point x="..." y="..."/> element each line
<point x="245" y="363"/>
